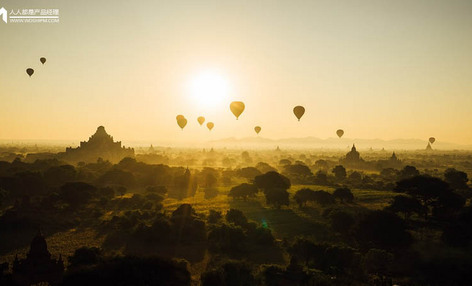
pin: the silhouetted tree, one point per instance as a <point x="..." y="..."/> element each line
<point x="160" y="190"/>
<point x="232" y="273"/>
<point x="456" y="179"/>
<point x="107" y="192"/>
<point x="214" y="216"/>
<point x="378" y="262"/>
<point x="117" y="177"/>
<point x="445" y="268"/>
<point x="272" y="180"/>
<point x="381" y="229"/>
<point x="264" y="167"/>
<point x="77" y="194"/>
<point x="210" y="180"/>
<point x="210" y="193"/>
<point x="275" y="188"/>
<point x="339" y="173"/>
<point x="304" y="195"/>
<point x="246" y="158"/>
<point x="323" y="198"/>
<point x="227" y="239"/>
<point x="406" y="205"/>
<point x="298" y="173"/>
<point x="236" y="216"/>
<point x="127" y="163"/>
<point x="249" y="173"/>
<point x="186" y="185"/>
<point x="341" y="222"/>
<point x="338" y="260"/>
<point x="3" y="195"/>
<point x="343" y="194"/>
<point x="355" y="178"/>
<point x="187" y="226"/>
<point x="243" y="191"/>
<point x="85" y="256"/>
<point x="459" y="230"/>
<point x="389" y="174"/>
<point x="121" y="190"/>
<point x="408" y="172"/>
<point x="431" y="192"/>
<point x="321" y="164"/>
<point x="321" y="178"/>
<point x="127" y="270"/>
<point x="5" y="277"/>
<point x="277" y="197"/>
<point x="285" y="162"/>
<point x="213" y="277"/>
<point x="59" y="175"/>
<point x="447" y="205"/>
<point x="25" y="183"/>
<point x="306" y="250"/>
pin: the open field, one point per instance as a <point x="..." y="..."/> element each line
<point x="287" y="221"/>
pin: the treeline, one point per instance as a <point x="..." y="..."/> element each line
<point x="422" y="237"/>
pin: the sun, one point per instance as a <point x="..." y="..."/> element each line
<point x="209" y="88"/>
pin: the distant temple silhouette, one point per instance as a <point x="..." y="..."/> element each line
<point x="429" y="148"/>
<point x="38" y="266"/>
<point x="151" y="150"/>
<point x="353" y="156"/>
<point x="99" y="145"/>
<point x="394" y="159"/>
<point x="392" y="162"/>
<point x="353" y="159"/>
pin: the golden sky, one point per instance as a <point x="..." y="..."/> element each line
<point x="377" y="69"/>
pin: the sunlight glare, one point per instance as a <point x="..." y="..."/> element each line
<point x="209" y="88"/>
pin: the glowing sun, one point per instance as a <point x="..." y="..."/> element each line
<point x="209" y="88"/>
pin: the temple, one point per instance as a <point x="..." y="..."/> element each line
<point x="99" y="145"/>
<point x="392" y="162"/>
<point x="151" y="150"/>
<point x="38" y="267"/>
<point x="429" y="148"/>
<point x="352" y="159"/>
<point x="353" y="156"/>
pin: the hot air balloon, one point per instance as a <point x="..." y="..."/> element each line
<point x="30" y="71"/>
<point x="299" y="111"/>
<point x="237" y="107"/>
<point x="182" y="122"/>
<point x="210" y="125"/>
<point x="432" y="140"/>
<point x="178" y="117"/>
<point x="201" y="119"/>
<point x="257" y="129"/>
<point x="340" y="133"/>
<point x="42" y="60"/>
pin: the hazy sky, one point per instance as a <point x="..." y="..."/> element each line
<point x="377" y="69"/>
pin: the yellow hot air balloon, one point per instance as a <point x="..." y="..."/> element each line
<point x="30" y="71"/>
<point x="182" y="122"/>
<point x="201" y="119"/>
<point x="432" y="140"/>
<point x="210" y="125"/>
<point x="237" y="107"/>
<point x="42" y="60"/>
<point x="299" y="111"/>
<point x="340" y="133"/>
<point x="178" y="117"/>
<point x="257" y="129"/>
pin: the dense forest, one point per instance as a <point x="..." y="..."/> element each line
<point x="303" y="221"/>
